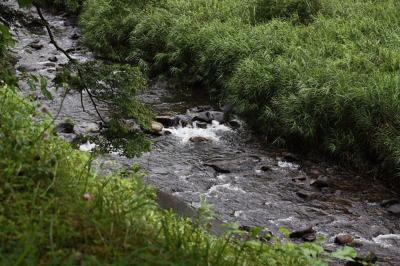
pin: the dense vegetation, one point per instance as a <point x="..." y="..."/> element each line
<point x="55" y="211"/>
<point x="313" y="74"/>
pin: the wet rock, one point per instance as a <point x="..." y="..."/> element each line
<point x="306" y="195"/>
<point x="394" y="209"/>
<point x="235" y="123"/>
<point x="201" y="124"/>
<point x="65" y="127"/>
<point x="36" y="45"/>
<point x="232" y="165"/>
<point x="198" y="139"/>
<point x="291" y="158"/>
<point x="320" y="182"/>
<point x="217" y="116"/>
<point x="156" y="127"/>
<point x="74" y="36"/>
<point x="265" y="168"/>
<point x="344" y="239"/>
<point x="209" y="116"/>
<point x="53" y="59"/>
<point x="167" y="121"/>
<point x="182" y="120"/>
<point x="309" y="237"/>
<point x="389" y="202"/>
<point x="302" y="233"/>
<point x="203" y="117"/>
<point x="91" y="128"/>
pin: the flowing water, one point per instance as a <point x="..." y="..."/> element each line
<point x="244" y="181"/>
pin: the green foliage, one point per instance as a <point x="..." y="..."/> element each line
<point x="6" y="75"/>
<point x="115" y="87"/>
<point x="54" y="210"/>
<point x="302" y="11"/>
<point x="328" y="81"/>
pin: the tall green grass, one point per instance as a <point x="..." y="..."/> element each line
<point x="316" y="75"/>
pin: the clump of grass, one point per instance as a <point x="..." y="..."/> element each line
<point x="315" y="75"/>
<point x="54" y="210"/>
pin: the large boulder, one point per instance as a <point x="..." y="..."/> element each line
<point x="209" y="116"/>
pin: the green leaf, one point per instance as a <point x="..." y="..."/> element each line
<point x="345" y="253"/>
<point x="24" y="3"/>
<point x="284" y="231"/>
<point x="43" y="88"/>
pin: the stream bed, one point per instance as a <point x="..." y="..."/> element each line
<point x="244" y="181"/>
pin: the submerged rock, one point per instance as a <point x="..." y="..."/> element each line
<point x="232" y="165"/>
<point x="198" y="139"/>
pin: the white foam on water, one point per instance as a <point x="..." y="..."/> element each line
<point x="228" y="186"/>
<point x="384" y="240"/>
<point x="87" y="146"/>
<point x="288" y="165"/>
<point x="211" y="132"/>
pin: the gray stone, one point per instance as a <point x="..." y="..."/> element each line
<point x="200" y="124"/>
<point x="156" y="127"/>
<point x="320" y="182"/>
<point x="344" y="239"/>
<point x="198" y="139"/>
<point x="302" y="232"/>
<point x="394" y="209"/>
<point x="167" y="121"/>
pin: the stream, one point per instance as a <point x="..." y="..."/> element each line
<point x="244" y="181"/>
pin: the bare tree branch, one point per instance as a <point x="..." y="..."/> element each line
<point x="72" y="60"/>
